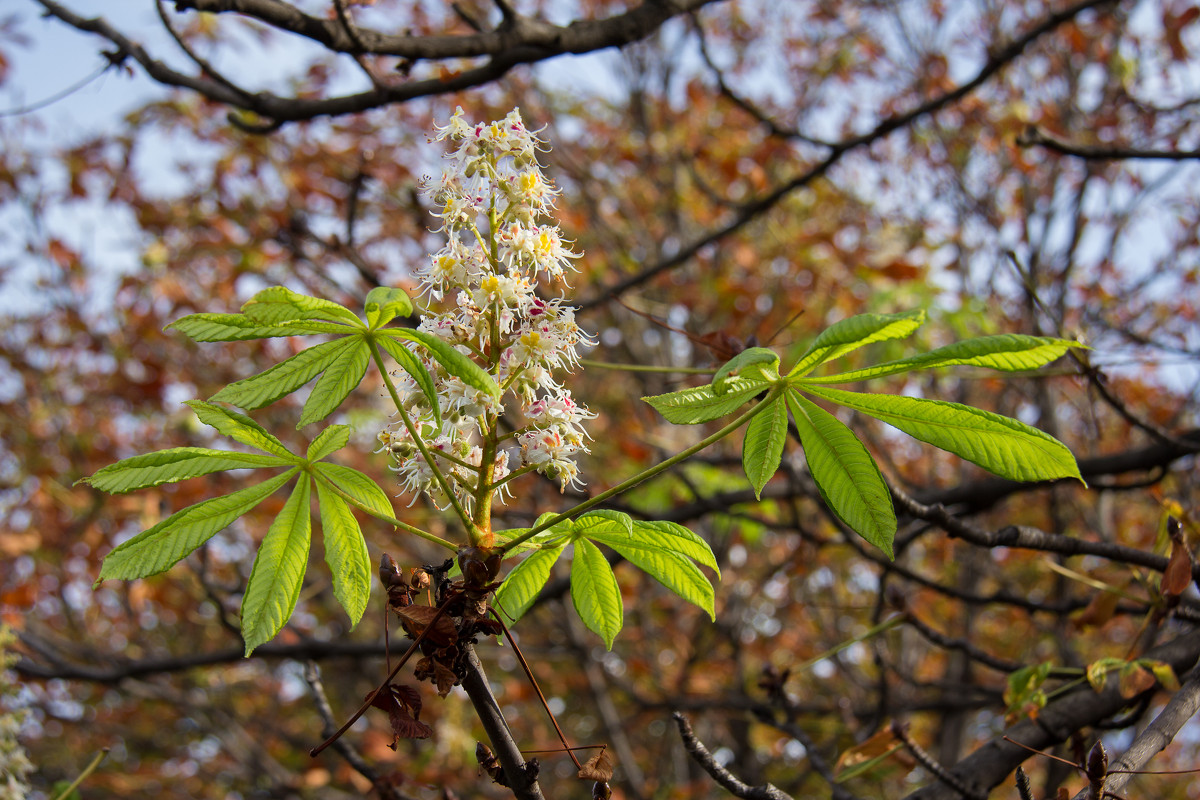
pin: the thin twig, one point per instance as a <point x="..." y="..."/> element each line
<point x="727" y="779"/>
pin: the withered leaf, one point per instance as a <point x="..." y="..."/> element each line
<point x="415" y="619"/>
<point x="1178" y="573"/>
<point x="598" y="768"/>
<point x="878" y="746"/>
<point x="404" y="724"/>
<point x="1134" y="680"/>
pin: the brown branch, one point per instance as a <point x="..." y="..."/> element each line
<point x="724" y="777"/>
<point x="521" y="40"/>
<point x="988" y="766"/>
<point x="1034" y="137"/>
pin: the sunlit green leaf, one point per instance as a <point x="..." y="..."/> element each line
<point x="702" y="404"/>
<point x="849" y="479"/>
<point x="170" y="466"/>
<point x="330" y="440"/>
<point x="450" y="358"/>
<point x="413" y="366"/>
<point x="278" y="573"/>
<point x="1001" y="445"/>
<point x="1009" y="352"/>
<point x="595" y="592"/>
<point x="670" y="569"/>
<point x="602" y="521"/>
<point x="280" y="304"/>
<point x="227" y="328"/>
<point x="850" y="334"/>
<point x="525" y="582"/>
<point x="359" y="486"/>
<point x="340" y="378"/>
<point x="762" y="449"/>
<point x="674" y="538"/>
<point x="384" y="304"/>
<point x="345" y="552"/>
<point x="285" y="377"/>
<point x="240" y="428"/>
<point x="756" y="364"/>
<point x="157" y="549"/>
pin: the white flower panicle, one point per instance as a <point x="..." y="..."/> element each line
<point x="495" y="207"/>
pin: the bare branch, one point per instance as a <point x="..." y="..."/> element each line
<point x="1034" y="137"/>
<point x="727" y="779"/>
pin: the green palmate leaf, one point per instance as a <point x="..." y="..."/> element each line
<point x="560" y="530"/>
<point x="526" y="580"/>
<point x="240" y="428"/>
<point x="762" y="449"/>
<point x="702" y="404"/>
<point x="413" y="366"/>
<point x="670" y="569"/>
<point x="157" y="549"/>
<point x="286" y="377"/>
<point x="330" y="440"/>
<point x="278" y="573"/>
<point x="340" y="378"/>
<point x="450" y="358"/>
<point x="345" y="553"/>
<point x="385" y="304"/>
<point x="849" y="479"/>
<point x="613" y="523"/>
<point x="1009" y="352"/>
<point x="1001" y="445"/>
<point x="850" y="334"/>
<point x="280" y="304"/>
<point x="595" y="592"/>
<point x="357" y="485"/>
<point x="674" y="538"/>
<point x="170" y="466"/>
<point x="753" y="364"/>
<point x="227" y="328"/>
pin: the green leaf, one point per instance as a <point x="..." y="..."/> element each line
<point x="702" y="403"/>
<point x="240" y="428"/>
<point x="674" y="538"/>
<point x="670" y="569"/>
<point x="561" y="529"/>
<point x="385" y="304"/>
<point x="595" y="592"/>
<point x="278" y="573"/>
<point x="359" y="486"/>
<point x="285" y="377"/>
<point x="614" y="523"/>
<point x="227" y="328"/>
<point x="280" y="304"/>
<point x="413" y="366"/>
<point x="762" y="449"/>
<point x="1009" y="352"/>
<point x="330" y="440"/>
<point x="849" y="479"/>
<point x="450" y="358"/>
<point x="850" y="334"/>
<point x="159" y="548"/>
<point x="169" y="466"/>
<point x="345" y="553"/>
<point x="525" y="582"/>
<point x="754" y="364"/>
<point x="335" y="385"/>
<point x="1001" y="445"/>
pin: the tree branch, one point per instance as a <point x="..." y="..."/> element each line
<point x="727" y="779"/>
<point x="988" y="766"/>
<point x="1034" y="137"/>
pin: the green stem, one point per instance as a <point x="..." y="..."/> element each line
<point x="404" y="526"/>
<point x="645" y="475"/>
<point x="886" y="625"/>
<point x="88" y="770"/>
<point x="419" y="440"/>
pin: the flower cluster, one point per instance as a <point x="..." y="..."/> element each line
<point x="494" y="204"/>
